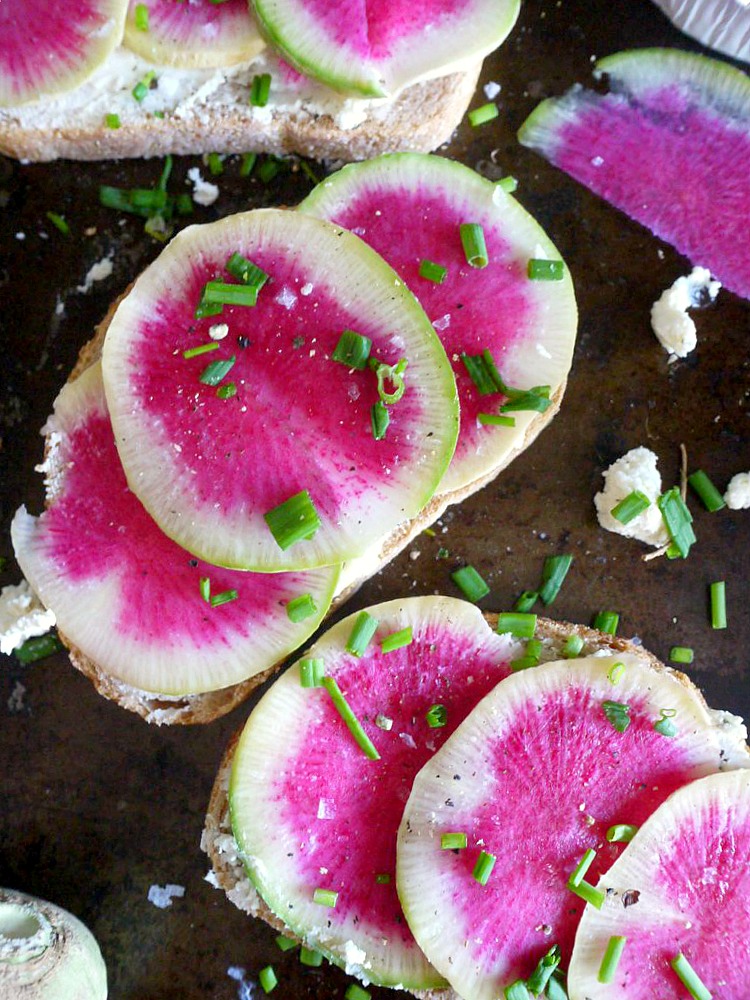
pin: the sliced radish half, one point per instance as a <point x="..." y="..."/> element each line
<point x="124" y="594"/>
<point x="409" y="207"/>
<point x="534" y="777"/>
<point x="723" y="25"/>
<point x="296" y="431"/>
<point x="377" y="47"/>
<point x="689" y="868"/>
<point x="200" y="33"/>
<point x="49" y="47"/>
<point x="668" y="145"/>
<point x="310" y="810"/>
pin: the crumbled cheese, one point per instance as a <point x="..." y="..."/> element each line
<point x="204" y="193"/>
<point x="737" y="496"/>
<point x="355" y="959"/>
<point x="670" y="322"/>
<point x="636" y="470"/>
<point x="162" y="896"/>
<point x="491" y="90"/>
<point x="218" y="331"/>
<point x="97" y="272"/>
<point x="22" y="616"/>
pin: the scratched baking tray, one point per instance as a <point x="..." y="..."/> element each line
<point x="97" y="806"/>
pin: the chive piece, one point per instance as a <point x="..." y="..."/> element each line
<point x="432" y="272"/>
<point x="300" y="608"/>
<point x="223" y="598"/>
<point x="393" y="374"/>
<point x="517" y="991"/>
<point x="267" y="979"/>
<point x="141" y="17"/>
<point x="38" y="647"/>
<point x="481" y="375"/>
<point x="710" y="497"/>
<point x="112" y="121"/>
<point x="215" y="371"/>
<point x="677" y="519"/>
<point x="362" y="632"/>
<point x="227" y="391"/>
<point x="285" y="943"/>
<point x="311" y="672"/>
<point x="193" y="352"/>
<point x="618" y="714"/>
<point x="442" y="553"/>
<point x="530" y="656"/>
<point x="664" y="725"/>
<point x="269" y="168"/>
<point x="247" y="164"/>
<point x="352" y="350"/>
<point x="718" y="593"/>
<point x="356" y="992"/>
<point x="380" y="418"/>
<point x="579" y="872"/>
<point x="555" y="989"/>
<point x="59" y="223"/>
<point x="294" y="520"/>
<point x="382" y="878"/>
<point x="383" y="722"/>
<point x="496" y="420"/>
<point x="350" y="719"/>
<point x="630" y="507"/>
<point x="483" y="867"/>
<point x="607" y="622"/>
<point x="308" y="956"/>
<point x="681" y="654"/>
<point x="325" y="897"/>
<point x="621" y="833"/>
<point x="204" y="585"/>
<point x="221" y="293"/>
<point x="245" y="271"/>
<point x="616" y="672"/>
<point x="572" y="648"/>
<point x="453" y="841"/>
<point x="484" y="114"/>
<point x="537" y="982"/>
<point x="260" y="89"/>
<point x="545" y="270"/>
<point x="689" y="978"/>
<point x="611" y="958"/>
<point x="215" y="164"/>
<point x="470" y="583"/>
<point x="396" y="640"/>
<point x="158" y="227"/>
<point x="589" y="893"/>
<point x="554" y="573"/>
<point x="508" y="184"/>
<point x="521" y="625"/>
<point x="535" y="399"/>
<point x="143" y="86"/>
<point x="472" y="240"/>
<point x="437" y="716"/>
<point x="308" y="171"/>
<point x="526" y="601"/>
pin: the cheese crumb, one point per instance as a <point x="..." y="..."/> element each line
<point x="162" y="896"/>
<point x="204" y="193"/>
<point x="670" y="322"/>
<point x="737" y="496"/>
<point x="97" y="272"/>
<point x="636" y="470"/>
<point x="22" y="617"/>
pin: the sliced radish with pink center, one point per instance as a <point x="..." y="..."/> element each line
<point x="376" y="47"/>
<point x="125" y="594"/>
<point x="409" y="208"/>
<point x="668" y="145"/>
<point x="690" y="865"/>
<point x="208" y="469"/>
<point x="535" y="776"/>
<point x="200" y="33"/>
<point x="47" y="48"/>
<point x="310" y="810"/>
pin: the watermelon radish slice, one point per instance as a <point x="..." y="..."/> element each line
<point x="723" y="25"/>
<point x="668" y="145"/>
<point x="200" y="33"/>
<point x="299" y="423"/>
<point x="48" y="47"/>
<point x="409" y="208"/>
<point x="690" y="863"/>
<point x="535" y="776"/>
<point x="309" y="810"/>
<point x="129" y="598"/>
<point x="376" y="47"/>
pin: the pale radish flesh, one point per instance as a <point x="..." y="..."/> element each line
<point x="409" y="207"/>
<point x="536" y="776"/>
<point x="127" y="596"/>
<point x="209" y="469"/>
<point x="690" y="864"/>
<point x="723" y="25"/>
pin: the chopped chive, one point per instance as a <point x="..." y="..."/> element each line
<point x="484" y="114"/>
<point x="526" y="601"/>
<point x="555" y="989"/>
<point x="158" y="227"/>
<point x="710" y="497"/>
<point x="396" y="640"/>
<point x="166" y="170"/>
<point x="437" y="716"/>
<point x="432" y="272"/>
<point x="350" y="719"/>
<point x="215" y="371"/>
<point x="616" y="672"/>
<point x="508" y="184"/>
<point x="294" y="520"/>
<point x="285" y="943"/>
<point x="267" y="979"/>
<point x="453" y="841"/>
<point x="630" y="507"/>
<point x="540" y="977"/>
<point x="535" y="399"/>
<point x="481" y="375"/>
<point x="245" y="271"/>
<point x="362" y="632"/>
<point x="247" y="164"/>
<point x="380" y="418"/>
<point x="470" y="583"/>
<point x="311" y="672"/>
<point x="472" y="240"/>
<point x="393" y="374"/>
<point x="496" y="420"/>
<point x="222" y="293"/>
<point x="664" y="725"/>
<point x="308" y="956"/>
<point x="300" y="608"/>
<point x="223" y="598"/>
<point x="618" y="714"/>
<point x="215" y="164"/>
<point x="521" y="625"/>
<point x="59" y="223"/>
<point x="517" y="991"/>
<point x="269" y="168"/>
<point x="483" y="867"/>
<point x="621" y="833"/>
<point x="325" y="897"/>
<point x="184" y="204"/>
<point x="530" y="656"/>
<point x="718" y="593"/>
<point x="681" y="654"/>
<point x="579" y="872"/>
<point x="204" y="586"/>
<point x="607" y="622"/>
<point x="112" y="121"/>
<point x="572" y="648"/>
<point x="260" y="89"/>
<point x="143" y="86"/>
<point x="442" y="553"/>
<point x="383" y="722"/>
<point x="352" y="350"/>
<point x="677" y="519"/>
<point x="141" y="17"/>
<point x="554" y="573"/>
<point x="689" y="978"/>
<point x="382" y="878"/>
<point x="227" y="391"/>
<point x="545" y="270"/>
<point x="356" y="992"/>
<point x="193" y="352"/>
<point x="589" y="893"/>
<point x="611" y="958"/>
<point x="38" y="647"/>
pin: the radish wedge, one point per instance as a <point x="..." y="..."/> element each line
<point x="200" y="34"/>
<point x="310" y="810"/>
<point x="723" y="25"/>
<point x="690" y="864"/>
<point x="535" y="776"/>
<point x="48" y="47"/>
<point x="668" y="145"/>
<point x="210" y="469"/>
<point x="376" y="48"/>
<point x="409" y="208"/>
<point x="126" y="596"/>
